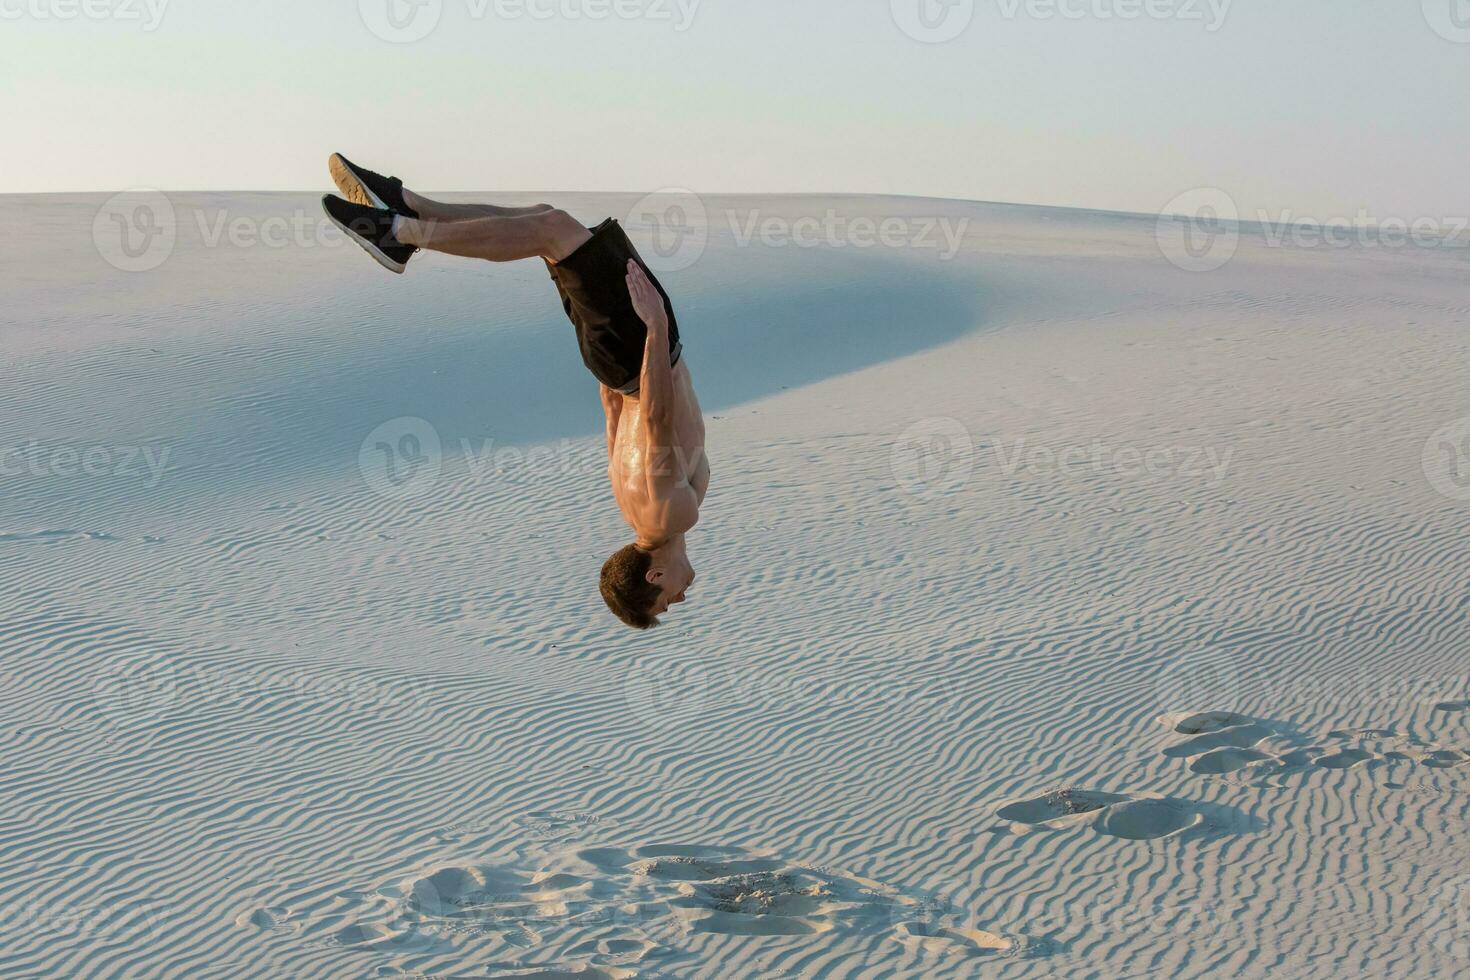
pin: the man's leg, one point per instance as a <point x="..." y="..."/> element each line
<point x="440" y="211"/>
<point x="551" y="235"/>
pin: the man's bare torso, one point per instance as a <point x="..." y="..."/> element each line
<point x="658" y="508"/>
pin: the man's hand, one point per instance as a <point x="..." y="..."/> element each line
<point x="647" y="301"/>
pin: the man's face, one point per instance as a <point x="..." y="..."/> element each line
<point x="674" y="582"/>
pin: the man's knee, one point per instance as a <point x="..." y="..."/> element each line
<point x="561" y="234"/>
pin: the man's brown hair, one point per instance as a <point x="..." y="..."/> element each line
<point x="626" y="589"/>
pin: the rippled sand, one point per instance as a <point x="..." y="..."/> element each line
<point x="1060" y="612"/>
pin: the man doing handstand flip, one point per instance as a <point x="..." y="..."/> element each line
<point x="629" y="339"/>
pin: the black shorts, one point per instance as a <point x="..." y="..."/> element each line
<point x="593" y="282"/>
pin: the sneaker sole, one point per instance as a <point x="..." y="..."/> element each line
<point x="352" y="186"/>
<point x="370" y="248"/>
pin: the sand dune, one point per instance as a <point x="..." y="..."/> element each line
<point x="964" y="690"/>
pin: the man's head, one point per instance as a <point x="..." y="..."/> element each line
<point x="640" y="584"/>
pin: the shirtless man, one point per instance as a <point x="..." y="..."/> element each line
<point x="629" y="338"/>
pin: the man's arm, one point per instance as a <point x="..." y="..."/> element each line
<point x="612" y="407"/>
<point x="666" y="472"/>
<point x="657" y="384"/>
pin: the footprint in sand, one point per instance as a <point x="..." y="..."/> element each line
<point x="585" y="973"/>
<point x="557" y="824"/>
<point x="1225" y="742"/>
<point x="1345" y="759"/>
<point x="1222" y="761"/>
<point x="937" y="940"/>
<point x="1147" y="819"/>
<point x="616" y="950"/>
<point x="739" y="893"/>
<point x="1209" y="721"/>
<point x="1239" y="737"/>
<point x="1221" y="742"/>
<point x="1058" y="808"/>
<point x="1125" y="817"/>
<point x="613" y="908"/>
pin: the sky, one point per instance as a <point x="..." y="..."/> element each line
<point x="1320" y="108"/>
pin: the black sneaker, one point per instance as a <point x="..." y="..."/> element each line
<point x="372" y="229"/>
<point x="361" y="186"/>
